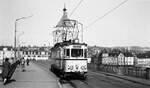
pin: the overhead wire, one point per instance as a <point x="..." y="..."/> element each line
<point x="75" y="8"/>
<point x="107" y="13"/>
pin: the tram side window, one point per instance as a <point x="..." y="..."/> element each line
<point x="68" y="52"/>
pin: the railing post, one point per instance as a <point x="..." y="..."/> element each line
<point x="147" y="73"/>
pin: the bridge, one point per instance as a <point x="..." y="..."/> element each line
<point x="38" y="75"/>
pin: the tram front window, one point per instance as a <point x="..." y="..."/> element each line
<point x="77" y="52"/>
<point x="85" y="53"/>
<point x="67" y="52"/>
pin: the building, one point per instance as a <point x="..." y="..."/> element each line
<point x="143" y="60"/>
<point x="116" y="58"/>
<point x="36" y="53"/>
<point x="6" y="52"/>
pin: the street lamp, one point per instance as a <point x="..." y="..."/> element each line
<point x="16" y="32"/>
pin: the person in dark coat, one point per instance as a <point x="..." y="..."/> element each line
<point x="13" y="68"/>
<point x="27" y="61"/>
<point x="6" y="69"/>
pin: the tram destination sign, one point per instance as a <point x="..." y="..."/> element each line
<point x="77" y="46"/>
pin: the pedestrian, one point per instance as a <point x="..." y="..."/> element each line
<point x="12" y="70"/>
<point x="23" y="64"/>
<point x="27" y="62"/>
<point x="6" y="70"/>
<point x="11" y="60"/>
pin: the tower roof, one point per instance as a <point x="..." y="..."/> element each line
<point x="63" y="18"/>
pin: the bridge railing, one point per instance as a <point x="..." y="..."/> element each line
<point x="121" y="70"/>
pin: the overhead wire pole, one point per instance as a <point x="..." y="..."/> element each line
<point x="15" y="39"/>
<point x="107" y="13"/>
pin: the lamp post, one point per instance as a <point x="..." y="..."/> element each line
<point x="19" y="44"/>
<point x="16" y="32"/>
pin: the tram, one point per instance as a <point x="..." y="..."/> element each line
<point x="69" y="59"/>
<point x="69" y="53"/>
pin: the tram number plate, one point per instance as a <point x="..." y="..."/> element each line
<point x="76" y="67"/>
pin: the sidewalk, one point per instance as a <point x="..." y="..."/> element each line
<point x="132" y="79"/>
<point x="33" y="77"/>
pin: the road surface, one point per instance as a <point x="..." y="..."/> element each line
<point x="34" y="76"/>
<point x="102" y="80"/>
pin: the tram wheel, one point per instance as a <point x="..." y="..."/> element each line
<point x="84" y="77"/>
<point x="63" y="75"/>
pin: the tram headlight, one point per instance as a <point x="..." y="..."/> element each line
<point x="69" y="67"/>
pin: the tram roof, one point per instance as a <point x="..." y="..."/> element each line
<point x="66" y="43"/>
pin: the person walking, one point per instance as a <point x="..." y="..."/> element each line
<point x="23" y="64"/>
<point x="13" y="68"/>
<point x="6" y="69"/>
<point x="27" y="62"/>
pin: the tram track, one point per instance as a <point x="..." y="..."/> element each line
<point x="76" y="83"/>
<point x="79" y="84"/>
<point x="96" y="80"/>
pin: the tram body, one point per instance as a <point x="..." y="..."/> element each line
<point x="69" y="59"/>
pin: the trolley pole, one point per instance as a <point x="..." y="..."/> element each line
<point x="81" y="31"/>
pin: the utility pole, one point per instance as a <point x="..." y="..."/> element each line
<point x="15" y="39"/>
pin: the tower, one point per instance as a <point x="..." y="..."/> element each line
<point x="67" y="29"/>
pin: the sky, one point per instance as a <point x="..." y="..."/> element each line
<point x="128" y="25"/>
